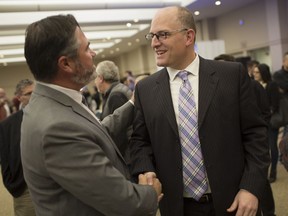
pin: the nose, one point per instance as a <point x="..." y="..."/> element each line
<point x="155" y="42"/>
<point x="93" y="53"/>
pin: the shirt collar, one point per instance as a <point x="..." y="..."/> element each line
<point x="75" y="95"/>
<point x="192" y="68"/>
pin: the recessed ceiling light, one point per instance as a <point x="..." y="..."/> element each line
<point x="128" y="25"/>
<point x="136" y="20"/>
<point x="196" y="13"/>
<point x="137" y="40"/>
<point x="117" y="49"/>
<point x="217" y="2"/>
<point x="129" y="43"/>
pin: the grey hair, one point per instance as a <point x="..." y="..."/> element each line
<point x="109" y="71"/>
<point x="21" y="85"/>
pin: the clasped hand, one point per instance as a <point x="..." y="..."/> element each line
<point x="150" y="178"/>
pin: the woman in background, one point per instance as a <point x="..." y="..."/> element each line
<point x="262" y="74"/>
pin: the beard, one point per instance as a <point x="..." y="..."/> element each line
<point x="83" y="75"/>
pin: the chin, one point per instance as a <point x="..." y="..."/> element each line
<point x="161" y="64"/>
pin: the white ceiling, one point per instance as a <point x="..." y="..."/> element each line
<point x="104" y="23"/>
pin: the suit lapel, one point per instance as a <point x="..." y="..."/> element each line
<point x="65" y="100"/>
<point x="207" y="87"/>
<point x="163" y="94"/>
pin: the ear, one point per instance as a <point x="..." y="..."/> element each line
<point x="190" y="37"/>
<point x="65" y="64"/>
<point x="100" y="77"/>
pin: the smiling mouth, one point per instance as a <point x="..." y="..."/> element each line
<point x="160" y="52"/>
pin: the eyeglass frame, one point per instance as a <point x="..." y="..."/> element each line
<point x="27" y="94"/>
<point x="159" y="37"/>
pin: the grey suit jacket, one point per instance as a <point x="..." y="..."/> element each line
<point x="71" y="164"/>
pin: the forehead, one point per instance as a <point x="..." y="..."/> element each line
<point x="28" y="88"/>
<point x="256" y="68"/>
<point x="165" y="19"/>
<point x="81" y="38"/>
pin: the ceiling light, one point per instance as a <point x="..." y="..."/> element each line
<point x="82" y="16"/>
<point x="117" y="40"/>
<point x="8" y="60"/>
<point x="11" y="52"/>
<point x="196" y="13"/>
<point x="20" y="39"/>
<point x="128" y="25"/>
<point x="101" y="45"/>
<point x="110" y="34"/>
<point x="4" y="40"/>
<point x="129" y="43"/>
<point x="217" y="3"/>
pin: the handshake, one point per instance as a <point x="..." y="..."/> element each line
<point x="149" y="178"/>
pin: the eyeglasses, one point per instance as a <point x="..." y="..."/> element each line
<point x="27" y="94"/>
<point x="162" y="35"/>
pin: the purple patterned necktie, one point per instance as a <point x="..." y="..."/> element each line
<point x="194" y="174"/>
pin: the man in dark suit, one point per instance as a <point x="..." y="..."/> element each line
<point x="70" y="162"/>
<point x="11" y="167"/>
<point x="233" y="154"/>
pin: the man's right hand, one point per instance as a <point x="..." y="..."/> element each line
<point x="150" y="179"/>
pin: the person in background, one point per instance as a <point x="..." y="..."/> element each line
<point x="250" y="67"/>
<point x="4" y="105"/>
<point x="87" y="95"/>
<point x="114" y="95"/>
<point x="15" y="104"/>
<point x="11" y="167"/>
<point x="200" y="106"/>
<point x="130" y="80"/>
<point x="262" y="74"/>
<point x="225" y="57"/>
<point x="96" y="98"/>
<point x="140" y="77"/>
<point x="70" y="162"/>
<point x="281" y="78"/>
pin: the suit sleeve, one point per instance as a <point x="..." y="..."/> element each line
<point x="254" y="139"/>
<point x="118" y="122"/>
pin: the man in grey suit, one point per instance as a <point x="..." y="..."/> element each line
<point x="70" y="162"/>
<point x="226" y="127"/>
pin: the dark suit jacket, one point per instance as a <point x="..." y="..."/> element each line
<point x="71" y="164"/>
<point x="11" y="166"/>
<point x="232" y="133"/>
